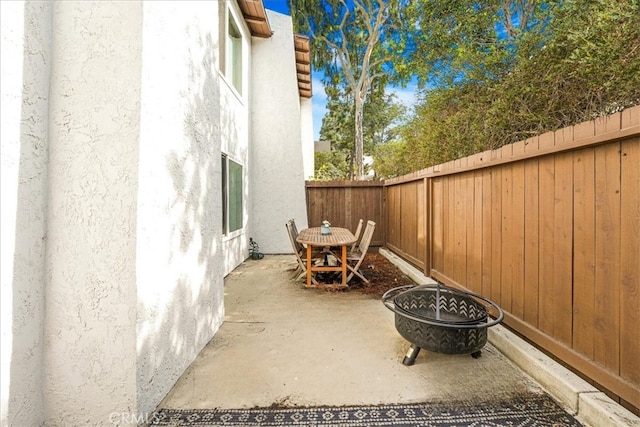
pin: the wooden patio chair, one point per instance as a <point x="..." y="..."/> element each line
<point x="356" y="257"/>
<point x="353" y="248"/>
<point x="357" y="234"/>
<point x="299" y="251"/>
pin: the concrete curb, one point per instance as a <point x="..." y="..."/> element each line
<point x="591" y="406"/>
<point x="408" y="269"/>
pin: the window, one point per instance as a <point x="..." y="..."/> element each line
<point x="230" y="48"/>
<point x="234" y="54"/>
<point x="231" y="195"/>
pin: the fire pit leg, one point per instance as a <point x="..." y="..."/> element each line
<point x="411" y="355"/>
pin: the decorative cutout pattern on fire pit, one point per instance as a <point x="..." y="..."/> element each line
<point x="441" y="340"/>
<point x="453" y="308"/>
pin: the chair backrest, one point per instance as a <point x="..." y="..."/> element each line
<point x="294" y="231"/>
<point x="357" y="234"/>
<point x="363" y="247"/>
<point x="295" y="245"/>
<point x="367" y="236"/>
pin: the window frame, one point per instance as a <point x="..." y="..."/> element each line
<point x="233" y="49"/>
<point x="232" y="170"/>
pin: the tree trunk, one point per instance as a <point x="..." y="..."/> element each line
<point x="359" y="142"/>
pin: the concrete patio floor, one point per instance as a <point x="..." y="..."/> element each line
<point x="283" y="345"/>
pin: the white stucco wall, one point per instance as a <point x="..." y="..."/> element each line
<point x="277" y="175"/>
<point x="306" y="135"/>
<point x="25" y="53"/>
<point x="94" y="127"/>
<point x="235" y="139"/>
<point x="134" y="261"/>
<point x="180" y="263"/>
<point x="114" y="118"/>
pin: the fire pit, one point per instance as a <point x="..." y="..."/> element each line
<point x="441" y="319"/>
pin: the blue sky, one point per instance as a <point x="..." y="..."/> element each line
<point x="277" y="5"/>
<point x="319" y="98"/>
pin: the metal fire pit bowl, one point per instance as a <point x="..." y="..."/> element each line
<point x="441" y="319"/>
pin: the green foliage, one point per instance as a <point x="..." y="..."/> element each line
<point x="383" y="113"/>
<point x="383" y="116"/>
<point x="368" y="35"/>
<point x="491" y="72"/>
<point x="573" y="61"/>
<point x="392" y="159"/>
<point x="354" y="43"/>
<point x="330" y="166"/>
<point x="463" y="41"/>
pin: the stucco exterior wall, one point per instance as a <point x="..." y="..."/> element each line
<point x="114" y="119"/>
<point x="277" y="173"/>
<point x="180" y="268"/>
<point x="26" y="54"/>
<point x="234" y="133"/>
<point x="94" y="128"/>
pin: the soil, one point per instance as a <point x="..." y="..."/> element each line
<point x="382" y="276"/>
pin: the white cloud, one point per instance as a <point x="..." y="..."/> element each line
<point x="407" y="95"/>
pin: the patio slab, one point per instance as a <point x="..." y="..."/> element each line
<point x="284" y="345"/>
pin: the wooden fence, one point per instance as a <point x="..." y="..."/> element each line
<point x="344" y="203"/>
<point x="549" y="229"/>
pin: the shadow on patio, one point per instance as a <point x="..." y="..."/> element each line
<point x="282" y="345"/>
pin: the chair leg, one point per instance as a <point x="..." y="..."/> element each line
<point x="304" y="274"/>
<point x="356" y="273"/>
<point x="296" y="272"/>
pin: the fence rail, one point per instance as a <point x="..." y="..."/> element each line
<point x="548" y="228"/>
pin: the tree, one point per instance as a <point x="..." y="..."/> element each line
<point x="460" y="41"/>
<point x="354" y="43"/>
<point x="330" y="166"/>
<point x="383" y="115"/>
<point x="514" y="69"/>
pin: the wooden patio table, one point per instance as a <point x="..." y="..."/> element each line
<point x="337" y="237"/>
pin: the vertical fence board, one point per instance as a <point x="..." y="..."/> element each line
<point x="562" y="248"/>
<point x="584" y="251"/>
<point x="496" y="238"/>
<point x="607" y="274"/>
<point x="630" y="262"/>
<point x="437" y="230"/>
<point x="409" y="223"/>
<point x="532" y="242"/>
<point x="474" y="245"/>
<point x="459" y="272"/>
<point x="393" y="207"/>
<point x="449" y="206"/>
<point x="545" y="255"/>
<point x="487" y="228"/>
<point x="420" y="233"/>
<point x="360" y="204"/>
<point x="517" y="276"/>
<point x="507" y="244"/>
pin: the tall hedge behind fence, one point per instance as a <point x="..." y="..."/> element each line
<point x="548" y="228"/>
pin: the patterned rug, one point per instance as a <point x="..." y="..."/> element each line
<point x="530" y="411"/>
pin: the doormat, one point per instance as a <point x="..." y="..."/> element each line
<point x="531" y="410"/>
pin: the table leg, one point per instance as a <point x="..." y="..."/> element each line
<point x="344" y="265"/>
<point x="309" y="272"/>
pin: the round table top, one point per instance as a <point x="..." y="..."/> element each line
<point x="337" y="237"/>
